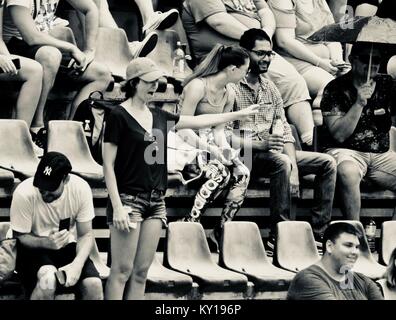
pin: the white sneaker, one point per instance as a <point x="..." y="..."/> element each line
<point x="161" y="20"/>
<point x="143" y="48"/>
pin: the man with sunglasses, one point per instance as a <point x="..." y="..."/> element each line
<point x="358" y="110"/>
<point x="285" y="166"/>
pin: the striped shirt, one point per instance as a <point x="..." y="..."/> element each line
<point x="271" y="107"/>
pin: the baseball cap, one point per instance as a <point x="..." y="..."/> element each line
<point x="143" y="68"/>
<point x="51" y="170"/>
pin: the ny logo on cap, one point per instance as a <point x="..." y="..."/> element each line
<point x="47" y="171"/>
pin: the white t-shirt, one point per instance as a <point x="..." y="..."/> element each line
<point x="30" y="214"/>
<point x="42" y="16"/>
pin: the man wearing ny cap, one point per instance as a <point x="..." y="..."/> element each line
<point x="38" y="206"/>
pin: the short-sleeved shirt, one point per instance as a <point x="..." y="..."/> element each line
<point x="29" y="213"/>
<point x="372" y="130"/>
<point x="271" y="107"/>
<point x="203" y="37"/>
<point x="313" y="283"/>
<point x="41" y="11"/>
<point x="141" y="160"/>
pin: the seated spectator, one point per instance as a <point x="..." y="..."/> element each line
<point x="38" y="206"/>
<point x="207" y="91"/>
<point x="357" y="118"/>
<point x="285" y="166"/>
<point x="331" y="278"/>
<point x="31" y="76"/>
<point x="224" y="21"/>
<point x="296" y="20"/>
<point x="158" y="21"/>
<point x="26" y="34"/>
<point x="382" y="9"/>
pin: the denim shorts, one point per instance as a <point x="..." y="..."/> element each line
<point x="144" y="205"/>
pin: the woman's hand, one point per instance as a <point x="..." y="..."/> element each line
<point x="244" y="114"/>
<point x="121" y="219"/>
<point x="327" y="65"/>
<point x="7" y="65"/>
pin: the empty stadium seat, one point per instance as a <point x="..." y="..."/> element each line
<point x="64" y="34"/>
<point x="389" y="293"/>
<point x="366" y="263"/>
<point x="393" y="139"/>
<point x="187" y="251"/>
<point x="295" y="247"/>
<point x="164" y="280"/>
<point x="16" y="149"/>
<point x="68" y="138"/>
<point x="388" y="240"/>
<point x="242" y="250"/>
<point x="112" y="50"/>
<point x="4" y="227"/>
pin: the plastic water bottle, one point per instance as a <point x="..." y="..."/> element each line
<point x="370" y="234"/>
<point x="178" y="61"/>
<point x="278" y="129"/>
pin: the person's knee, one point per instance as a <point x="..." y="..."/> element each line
<point x="50" y="58"/>
<point x="46" y="280"/>
<point x="140" y="273"/>
<point x="348" y="174"/>
<point x="282" y="163"/>
<point x="92" y="289"/>
<point x="329" y="164"/>
<point x="99" y="72"/>
<point x="122" y="272"/>
<point x="31" y="70"/>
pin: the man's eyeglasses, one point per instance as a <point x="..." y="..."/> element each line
<point x="264" y="53"/>
<point x="366" y="59"/>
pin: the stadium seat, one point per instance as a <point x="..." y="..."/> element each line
<point x="64" y="34"/>
<point x="4" y="227"/>
<point x="16" y="149"/>
<point x="389" y="293"/>
<point x="388" y="241"/>
<point x="164" y="280"/>
<point x="393" y="139"/>
<point x="187" y="251"/>
<point x="68" y="138"/>
<point x="242" y="250"/>
<point x="366" y="263"/>
<point x="295" y="247"/>
<point x="112" y="50"/>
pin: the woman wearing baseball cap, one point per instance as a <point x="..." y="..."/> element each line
<point x="135" y="169"/>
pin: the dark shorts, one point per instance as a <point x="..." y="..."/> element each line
<point x="144" y="205"/>
<point x="29" y="261"/>
<point x="20" y="47"/>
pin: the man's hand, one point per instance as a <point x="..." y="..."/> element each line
<point x="89" y="57"/>
<point x="58" y="239"/>
<point x="79" y="56"/>
<point x="73" y="272"/>
<point x="7" y="65"/>
<point x="276" y="142"/>
<point x="294" y="183"/>
<point x="365" y="91"/>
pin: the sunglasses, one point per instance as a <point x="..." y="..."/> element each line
<point x="366" y="59"/>
<point x="264" y="53"/>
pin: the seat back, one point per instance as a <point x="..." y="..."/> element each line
<point x="393" y="139"/>
<point x="241" y="245"/>
<point x="4" y="228"/>
<point x="388" y="240"/>
<point x="112" y="50"/>
<point x="16" y="148"/>
<point x="68" y="138"/>
<point x="295" y="247"/>
<point x="186" y="246"/>
<point x="64" y="34"/>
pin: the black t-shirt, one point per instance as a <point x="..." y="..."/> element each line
<point x="140" y="164"/>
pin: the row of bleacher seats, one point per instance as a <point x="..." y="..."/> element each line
<point x="188" y="270"/>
